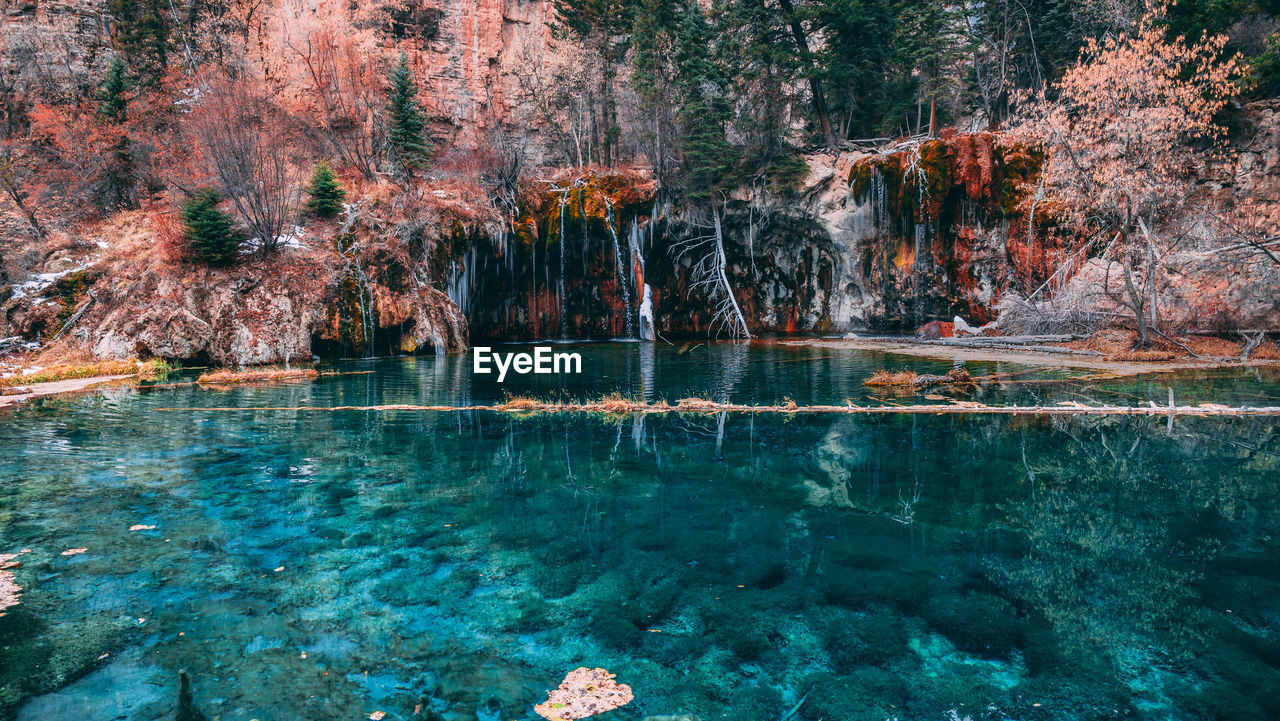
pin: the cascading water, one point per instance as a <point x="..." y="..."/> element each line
<point x="620" y="270"/>
<point x="462" y="281"/>
<point x="364" y="293"/>
<point x="564" y="326"/>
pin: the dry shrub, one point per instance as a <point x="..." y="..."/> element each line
<point x="885" y="378"/>
<point x="1143" y="356"/>
<point x="146" y="369"/>
<point x="1067" y="313"/>
<point x="227" y="376"/>
<point x="522" y="403"/>
<point x="170" y="234"/>
<point x="697" y="404"/>
<point x="615" y="403"/>
<point x="1266" y="351"/>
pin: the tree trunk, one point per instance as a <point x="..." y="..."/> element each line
<point x="815" y="86"/>
<point x="722" y="262"/>
<point x="16" y="194"/>
<point x="1138" y="302"/>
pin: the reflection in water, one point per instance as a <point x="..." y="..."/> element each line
<point x="329" y="565"/>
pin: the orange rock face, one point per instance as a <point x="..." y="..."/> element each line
<point x="935" y="329"/>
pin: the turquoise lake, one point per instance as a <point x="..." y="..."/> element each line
<point x="315" y="564"/>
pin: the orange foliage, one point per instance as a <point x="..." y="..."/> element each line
<point x="1117" y="127"/>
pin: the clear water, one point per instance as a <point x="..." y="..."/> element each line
<point x="327" y="565"/>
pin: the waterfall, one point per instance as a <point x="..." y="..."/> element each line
<point x="621" y="271"/>
<point x="879" y="199"/>
<point x="533" y="277"/>
<point x="917" y="280"/>
<point x="564" y="324"/>
<point x="364" y="294"/>
<point x="646" y="301"/>
<point x="462" y="281"/>
<point x="633" y="242"/>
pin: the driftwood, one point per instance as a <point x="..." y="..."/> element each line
<point x="623" y="407"/>
<point x="1022" y="342"/>
<point x="1252" y="339"/>
<point x="74" y="317"/>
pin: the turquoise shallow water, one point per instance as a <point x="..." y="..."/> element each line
<point x="327" y="565"/>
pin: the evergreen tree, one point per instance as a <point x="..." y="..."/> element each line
<point x="703" y="111"/>
<point x="930" y="47"/>
<point x="113" y="98"/>
<point x="602" y="27"/>
<point x="325" y="191"/>
<point x="210" y="233"/>
<point x="653" y="79"/>
<point x="113" y="109"/>
<point x="853" y="61"/>
<point x="408" y="148"/>
<point x="142" y="33"/>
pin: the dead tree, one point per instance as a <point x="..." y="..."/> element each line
<point x="710" y="274"/>
<point x="13" y="188"/>
<point x="244" y="136"/>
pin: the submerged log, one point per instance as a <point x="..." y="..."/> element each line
<point x="619" y="406"/>
<point x="186" y="707"/>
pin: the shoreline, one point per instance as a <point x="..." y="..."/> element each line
<point x="52" y="388"/>
<point x="1024" y="356"/>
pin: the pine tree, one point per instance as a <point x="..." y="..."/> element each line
<point x="408" y="148"/>
<point x="142" y="33"/>
<point x="704" y="109"/>
<point x="113" y="98"/>
<point x="113" y="109"/>
<point x="325" y="191"/>
<point x="210" y="233"/>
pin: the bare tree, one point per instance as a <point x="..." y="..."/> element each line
<point x="344" y="89"/>
<point x="710" y="273"/>
<point x="13" y="187"/>
<point x="243" y="134"/>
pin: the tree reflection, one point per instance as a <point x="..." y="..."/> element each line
<point x="1123" y="522"/>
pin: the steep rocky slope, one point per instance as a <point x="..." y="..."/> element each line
<point x="117" y="293"/>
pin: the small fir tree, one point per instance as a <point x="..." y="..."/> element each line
<point x="408" y="148"/>
<point x="210" y="233"/>
<point x="113" y="98"/>
<point x="325" y="191"/>
<point x="143" y="33"/>
<point x="113" y="109"/>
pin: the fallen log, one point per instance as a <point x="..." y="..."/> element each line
<point x="615" y="406"/>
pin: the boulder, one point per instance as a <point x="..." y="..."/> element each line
<point x="935" y="329"/>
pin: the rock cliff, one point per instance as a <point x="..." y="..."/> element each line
<point x="117" y="294"/>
